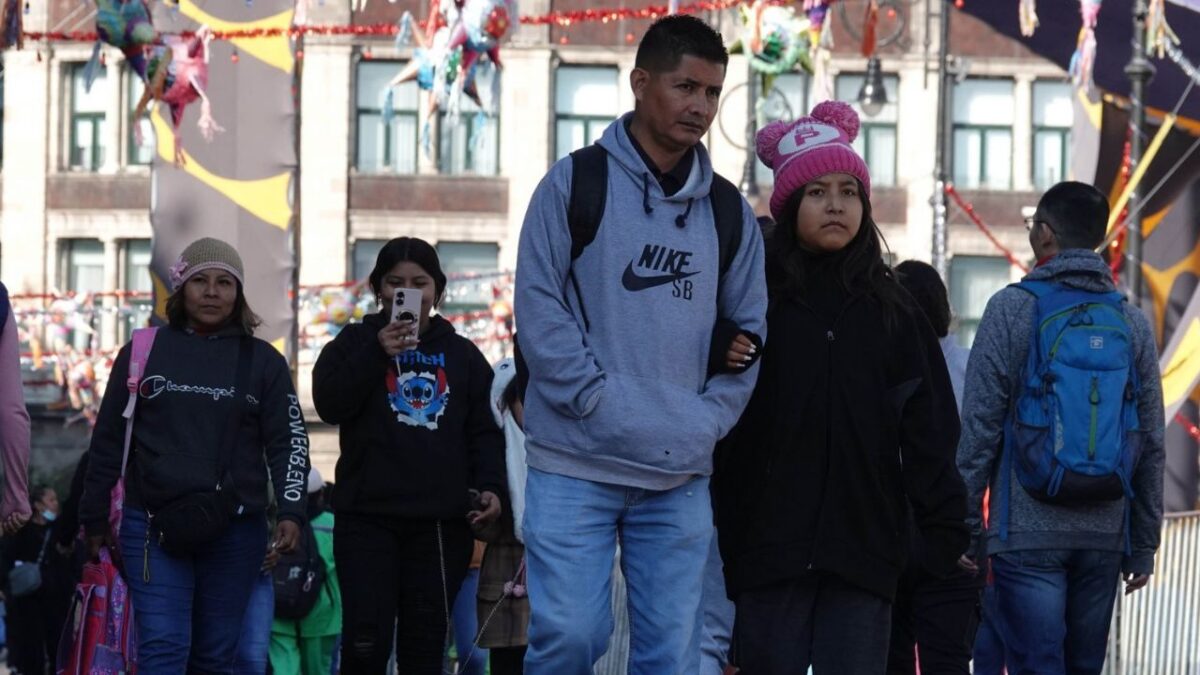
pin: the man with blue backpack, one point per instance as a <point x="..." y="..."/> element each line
<point x="1063" y="420"/>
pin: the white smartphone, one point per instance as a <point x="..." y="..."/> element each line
<point x="406" y="305"/>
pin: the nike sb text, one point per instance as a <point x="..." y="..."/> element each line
<point x="670" y="263"/>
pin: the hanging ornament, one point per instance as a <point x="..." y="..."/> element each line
<point x="1027" y="15"/>
<point x="1085" y="49"/>
<point x="870" y="28"/>
<point x="1160" y="32"/>
<point x="775" y="39"/>
<point x="178" y="76"/>
<point x="126" y="25"/>
<point x="234" y="56"/>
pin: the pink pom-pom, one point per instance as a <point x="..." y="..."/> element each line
<point x="840" y="115"/>
<point x="767" y="141"/>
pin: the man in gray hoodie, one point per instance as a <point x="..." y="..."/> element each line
<point x="1057" y="566"/>
<point x="622" y="413"/>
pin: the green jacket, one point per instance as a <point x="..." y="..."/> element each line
<point x="326" y="617"/>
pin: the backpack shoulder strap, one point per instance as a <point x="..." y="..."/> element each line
<point x="589" y="192"/>
<point x="139" y="354"/>
<point x="1038" y="289"/>
<point x="727" y="217"/>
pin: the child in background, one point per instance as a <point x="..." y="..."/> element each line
<point x="307" y="646"/>
<point x="502" y="605"/>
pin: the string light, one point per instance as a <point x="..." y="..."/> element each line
<point x="563" y="19"/>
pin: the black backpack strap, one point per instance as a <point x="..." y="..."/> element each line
<point x="727" y="216"/>
<point x="589" y="192"/>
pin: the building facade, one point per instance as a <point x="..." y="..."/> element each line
<point x="75" y="193"/>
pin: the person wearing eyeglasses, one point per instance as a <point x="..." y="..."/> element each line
<point x="1063" y="421"/>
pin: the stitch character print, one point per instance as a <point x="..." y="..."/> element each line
<point x="419" y="399"/>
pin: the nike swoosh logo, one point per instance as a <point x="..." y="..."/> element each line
<point x="635" y="282"/>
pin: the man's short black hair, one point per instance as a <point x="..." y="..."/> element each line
<point x="673" y="37"/>
<point x="1077" y="212"/>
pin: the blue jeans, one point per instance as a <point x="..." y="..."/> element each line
<point x="466" y="626"/>
<point x="988" y="658"/>
<point x="1054" y="608"/>
<point x="571" y="531"/>
<point x="717" y="612"/>
<point x="189" y="613"/>
<point x="255" y="643"/>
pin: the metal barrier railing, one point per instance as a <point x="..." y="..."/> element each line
<point x="1156" y="631"/>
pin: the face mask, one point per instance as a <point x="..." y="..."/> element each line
<point x="49" y="515"/>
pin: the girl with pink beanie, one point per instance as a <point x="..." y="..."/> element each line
<point x="852" y="423"/>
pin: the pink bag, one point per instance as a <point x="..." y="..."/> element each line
<point x="99" y="638"/>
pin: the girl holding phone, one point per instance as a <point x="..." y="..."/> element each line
<point x="412" y="400"/>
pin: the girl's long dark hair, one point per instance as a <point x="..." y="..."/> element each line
<point x="409" y="249"/>
<point x="862" y="266"/>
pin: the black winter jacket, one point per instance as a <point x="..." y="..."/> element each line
<point x="186" y="399"/>
<point x="850" y="418"/>
<point x="413" y="440"/>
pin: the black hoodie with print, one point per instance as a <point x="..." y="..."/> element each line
<point x="186" y="398"/>
<point x="416" y="431"/>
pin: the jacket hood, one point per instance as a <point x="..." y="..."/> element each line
<point x="620" y="147"/>
<point x="1077" y="268"/>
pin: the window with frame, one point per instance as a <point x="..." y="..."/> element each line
<point x="876" y="141"/>
<point x="787" y="100"/>
<point x="390" y="147"/>
<point x="87" y="146"/>
<point x="585" y="103"/>
<point x="137" y="154"/>
<point x="471" y="143"/>
<point x="983" y="134"/>
<point x="135" y="257"/>
<point x="1053" y="116"/>
<point x="364" y="254"/>
<point x="82" y="272"/>
<point x="974" y="279"/>
<point x="461" y="258"/>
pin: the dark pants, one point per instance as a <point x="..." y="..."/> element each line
<point x="34" y="625"/>
<point x="1054" y="608"/>
<point x="937" y="618"/>
<point x="391" y="575"/>
<point x="817" y="620"/>
<point x="508" y="660"/>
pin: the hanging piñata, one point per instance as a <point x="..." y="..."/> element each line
<point x="178" y="76"/>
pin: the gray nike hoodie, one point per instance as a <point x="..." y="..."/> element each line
<point x="624" y="396"/>
<point x="993" y="374"/>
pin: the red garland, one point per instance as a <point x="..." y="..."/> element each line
<point x="987" y="232"/>
<point x="563" y="19"/>
<point x="1187" y="425"/>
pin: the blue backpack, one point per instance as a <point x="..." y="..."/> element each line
<point x="1073" y="436"/>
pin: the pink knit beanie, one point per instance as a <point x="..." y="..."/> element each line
<point x="810" y="147"/>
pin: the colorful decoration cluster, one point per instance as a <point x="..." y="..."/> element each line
<point x="458" y="54"/>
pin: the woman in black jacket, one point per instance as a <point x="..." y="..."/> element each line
<point x="215" y="406"/>
<point x="412" y="403"/>
<point x="852" y="416"/>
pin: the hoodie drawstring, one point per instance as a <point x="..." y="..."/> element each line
<point x="681" y="220"/>
<point x="646" y="194"/>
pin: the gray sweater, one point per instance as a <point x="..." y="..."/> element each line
<point x="993" y="374"/>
